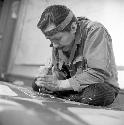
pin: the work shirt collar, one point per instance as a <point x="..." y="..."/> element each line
<point x="76" y="42"/>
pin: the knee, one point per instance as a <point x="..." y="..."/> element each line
<point x="98" y="95"/>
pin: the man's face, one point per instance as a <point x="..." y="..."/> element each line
<point x="60" y="39"/>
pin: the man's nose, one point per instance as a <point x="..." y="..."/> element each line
<point x="55" y="45"/>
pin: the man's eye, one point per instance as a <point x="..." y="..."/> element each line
<point x="57" y="39"/>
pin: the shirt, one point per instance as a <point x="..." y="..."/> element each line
<point x="91" y="59"/>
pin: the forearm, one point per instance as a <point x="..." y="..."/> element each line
<point x="64" y="85"/>
<point x="87" y="77"/>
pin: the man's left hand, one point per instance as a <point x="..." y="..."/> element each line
<point x="49" y="82"/>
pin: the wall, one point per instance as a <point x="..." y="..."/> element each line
<point x="7" y="27"/>
<point x="30" y="45"/>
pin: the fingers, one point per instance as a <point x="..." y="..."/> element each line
<point x="39" y="83"/>
<point x="47" y="85"/>
<point x="42" y="83"/>
<point x="47" y="78"/>
<point x="46" y="82"/>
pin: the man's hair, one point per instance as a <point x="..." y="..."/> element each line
<point x="55" y="14"/>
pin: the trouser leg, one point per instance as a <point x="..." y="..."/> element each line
<point x="99" y="94"/>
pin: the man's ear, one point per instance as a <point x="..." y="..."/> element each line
<point x="73" y="27"/>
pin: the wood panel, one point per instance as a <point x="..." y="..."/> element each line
<point x="7" y="24"/>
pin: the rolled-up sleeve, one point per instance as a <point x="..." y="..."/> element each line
<point x="97" y="56"/>
<point x="89" y="76"/>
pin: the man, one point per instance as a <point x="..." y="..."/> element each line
<point x="83" y="67"/>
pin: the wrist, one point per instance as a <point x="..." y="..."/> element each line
<point x="64" y="85"/>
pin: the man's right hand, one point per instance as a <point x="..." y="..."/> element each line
<point x="41" y="80"/>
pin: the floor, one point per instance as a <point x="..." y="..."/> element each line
<point x="20" y="105"/>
